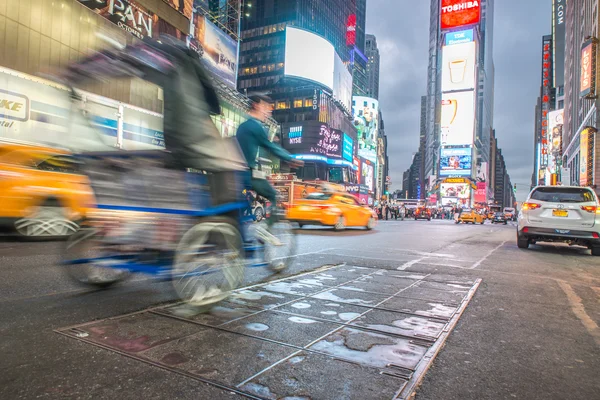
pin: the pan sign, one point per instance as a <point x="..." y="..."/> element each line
<point x="126" y="14"/>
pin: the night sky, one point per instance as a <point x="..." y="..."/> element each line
<point x="402" y="37"/>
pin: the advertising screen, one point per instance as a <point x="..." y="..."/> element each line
<point x="366" y="119"/>
<point x="586" y="84"/>
<point x="456" y="190"/>
<point x="482" y="172"/>
<point x="367" y="171"/>
<point x="313" y="138"/>
<point x="183" y="6"/>
<point x="555" y="128"/>
<point x="456" y="162"/>
<point x="559" y="12"/>
<point x="126" y="14"/>
<point x="351" y="30"/>
<point x="457" y="13"/>
<point x="342" y="83"/>
<point x="458" y="67"/>
<point x="458" y="118"/>
<point x="217" y="50"/>
<point x="481" y="193"/>
<point x="320" y="67"/>
<point x="348" y="148"/>
<point x="459" y="37"/>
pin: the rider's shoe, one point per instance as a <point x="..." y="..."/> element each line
<point x="267" y="237"/>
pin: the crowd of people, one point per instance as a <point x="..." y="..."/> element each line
<point x="393" y="209"/>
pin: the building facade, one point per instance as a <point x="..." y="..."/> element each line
<point x="579" y="136"/>
<point x="372" y="53"/>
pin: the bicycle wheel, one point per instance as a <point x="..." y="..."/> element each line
<point x="209" y="262"/>
<point x="281" y="257"/>
<point x="87" y="244"/>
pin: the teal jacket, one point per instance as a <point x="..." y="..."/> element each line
<point x="251" y="136"/>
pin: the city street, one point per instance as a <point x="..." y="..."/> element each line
<point x="430" y="309"/>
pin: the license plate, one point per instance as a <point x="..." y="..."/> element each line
<point x="560" y="213"/>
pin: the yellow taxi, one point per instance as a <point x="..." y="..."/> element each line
<point x="41" y="192"/>
<point x="336" y="209"/>
<point x="468" y="215"/>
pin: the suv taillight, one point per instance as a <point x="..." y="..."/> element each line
<point x="590" y="209"/>
<point x="531" y="206"/>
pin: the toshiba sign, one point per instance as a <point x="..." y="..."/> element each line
<point x="457" y="13"/>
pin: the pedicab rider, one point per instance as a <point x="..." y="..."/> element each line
<point x="251" y="136"/>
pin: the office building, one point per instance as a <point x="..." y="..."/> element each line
<point x="372" y="53"/>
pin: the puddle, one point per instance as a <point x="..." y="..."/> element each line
<point x="347" y="316"/>
<point x="257" y="327"/>
<point x="300" y="320"/>
<point x="454" y="285"/>
<point x="441" y="310"/>
<point x="289" y="287"/>
<point x="259" y="390"/>
<point x="371" y="349"/>
<point x="333" y="305"/>
<point x="301" y="306"/>
<point x="332" y="297"/>
<point x="250" y="295"/>
<point x="355" y="289"/>
<point x="329" y="312"/>
<point x="413" y="325"/>
<point x="296" y="360"/>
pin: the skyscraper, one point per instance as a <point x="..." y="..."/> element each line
<point x="460" y="91"/>
<point x="372" y="53"/>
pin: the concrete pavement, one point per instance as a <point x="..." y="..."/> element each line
<point x="530" y="331"/>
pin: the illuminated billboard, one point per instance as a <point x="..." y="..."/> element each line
<point x="455" y="192"/>
<point x="587" y="79"/>
<point x="217" y="50"/>
<point x="366" y="120"/>
<point x="456" y="162"/>
<point x="457" y="13"/>
<point x="459" y="37"/>
<point x="555" y="129"/>
<point x="348" y="148"/>
<point x="367" y="173"/>
<point x="458" y="67"/>
<point x="325" y="66"/>
<point x="351" y="30"/>
<point x="586" y="157"/>
<point x="319" y="66"/>
<point x="458" y="118"/>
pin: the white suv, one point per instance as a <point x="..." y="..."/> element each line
<point x="560" y="214"/>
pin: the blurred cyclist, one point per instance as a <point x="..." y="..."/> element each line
<point x="251" y="136"/>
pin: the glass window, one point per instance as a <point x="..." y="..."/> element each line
<point x="298" y="103"/>
<point x="319" y="196"/>
<point x="307" y="102"/>
<point x="563" y="195"/>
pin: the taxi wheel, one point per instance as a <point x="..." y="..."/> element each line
<point x="340" y="225"/>
<point x="49" y="220"/>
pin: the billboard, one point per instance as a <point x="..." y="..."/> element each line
<point x="455" y="193"/>
<point x="481" y="193"/>
<point x="586" y="157"/>
<point x="458" y="118"/>
<point x="458" y="67"/>
<point x="320" y="67"/>
<point x="366" y="120"/>
<point x="559" y="13"/>
<point x="555" y="129"/>
<point x="587" y="83"/>
<point x="347" y="148"/>
<point x="456" y="162"/>
<point x="459" y="37"/>
<point x="217" y="50"/>
<point x="313" y="138"/>
<point x="126" y="14"/>
<point x="186" y="7"/>
<point x="367" y="173"/>
<point x="326" y="67"/>
<point x="342" y="83"/>
<point x="457" y="13"/>
<point x="351" y="30"/>
<point x="483" y="170"/>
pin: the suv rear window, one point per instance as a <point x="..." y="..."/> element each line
<point x="563" y="195"/>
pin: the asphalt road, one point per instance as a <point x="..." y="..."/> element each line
<point x="530" y="332"/>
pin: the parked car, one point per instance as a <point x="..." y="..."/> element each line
<point x="423" y="213"/>
<point x="568" y="214"/>
<point x="42" y="194"/>
<point x="336" y="209"/>
<point x="499" y="218"/>
<point x="468" y="215"/>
